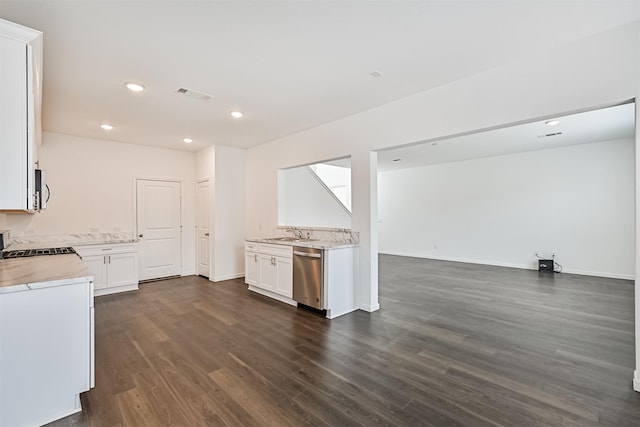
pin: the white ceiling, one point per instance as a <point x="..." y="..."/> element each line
<point x="289" y="65"/>
<point x="605" y="124"/>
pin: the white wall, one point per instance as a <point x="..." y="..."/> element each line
<point x="592" y="72"/>
<point x="588" y="73"/>
<point x="305" y="202"/>
<point x="224" y="167"/>
<point x="576" y="202"/>
<point x="230" y="213"/>
<point x="92" y="184"/>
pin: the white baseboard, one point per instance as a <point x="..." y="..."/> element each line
<point x="509" y="265"/>
<point x="600" y="274"/>
<point x="332" y="314"/>
<point x="59" y="415"/>
<point x="273" y="295"/>
<point x="369" y="308"/>
<point x="227" y="277"/>
<point x="636" y="380"/>
<point x="188" y="273"/>
<point x="116" y="290"/>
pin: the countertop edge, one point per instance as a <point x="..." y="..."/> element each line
<point x="317" y="244"/>
<point x="66" y="243"/>
<point x="28" y="274"/>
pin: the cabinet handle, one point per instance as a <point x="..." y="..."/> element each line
<point x="255" y="259"/>
<point x="109" y="259"/>
<point x="104" y="259"/>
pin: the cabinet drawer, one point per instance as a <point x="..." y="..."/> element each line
<point x="277" y="250"/>
<point x="88" y="250"/>
<point x="251" y="246"/>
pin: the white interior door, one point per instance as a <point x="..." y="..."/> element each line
<point x="202" y="229"/>
<point x="159" y="228"/>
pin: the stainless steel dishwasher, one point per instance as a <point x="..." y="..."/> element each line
<point x="308" y="279"/>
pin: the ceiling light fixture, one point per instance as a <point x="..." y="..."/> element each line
<point x="187" y="140"/>
<point x="106" y="126"/>
<point x="552" y="122"/>
<point x="134" y="87"/>
<point x="236" y="114"/>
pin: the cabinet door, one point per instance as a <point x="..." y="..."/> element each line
<point x="14" y="156"/>
<point x="97" y="266"/>
<point x="122" y="270"/>
<point x="267" y="272"/>
<point x="284" y="277"/>
<point x="45" y="352"/>
<point x="251" y="268"/>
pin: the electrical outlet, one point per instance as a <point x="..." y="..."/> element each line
<point x="435" y="247"/>
<point x="93" y="230"/>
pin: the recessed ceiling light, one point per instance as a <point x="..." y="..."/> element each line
<point x="134" y="87"/>
<point x="236" y="114"/>
<point x="375" y="74"/>
<point x="106" y="126"/>
<point x="552" y="122"/>
<point x="187" y="140"/>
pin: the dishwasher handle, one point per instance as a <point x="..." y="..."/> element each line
<point x="306" y="254"/>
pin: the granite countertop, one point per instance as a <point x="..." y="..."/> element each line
<point x="316" y="244"/>
<point x="24" y="274"/>
<point x="38" y="242"/>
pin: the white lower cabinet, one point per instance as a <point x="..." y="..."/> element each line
<point x="114" y="267"/>
<point x="251" y="268"/>
<point x="268" y="274"/>
<point x="269" y="270"/>
<point x="96" y="266"/>
<point x="46" y="351"/>
<point x="284" y="277"/>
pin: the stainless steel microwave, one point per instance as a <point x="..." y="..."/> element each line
<point x="42" y="192"/>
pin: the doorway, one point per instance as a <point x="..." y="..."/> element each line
<point x="202" y="229"/>
<point x="159" y="228"/>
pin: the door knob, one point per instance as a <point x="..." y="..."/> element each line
<point x="140" y="235"/>
<point x="206" y="234"/>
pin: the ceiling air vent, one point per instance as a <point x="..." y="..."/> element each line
<point x="550" y="135"/>
<point x="194" y="94"/>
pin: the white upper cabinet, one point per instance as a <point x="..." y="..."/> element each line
<point x="20" y="105"/>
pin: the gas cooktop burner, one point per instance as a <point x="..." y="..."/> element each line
<point x="36" y="252"/>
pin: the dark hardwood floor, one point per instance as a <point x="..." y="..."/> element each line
<point x="453" y="345"/>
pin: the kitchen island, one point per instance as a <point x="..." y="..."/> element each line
<point x="269" y="271"/>
<point x="46" y="338"/>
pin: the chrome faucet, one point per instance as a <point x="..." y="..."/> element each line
<point x="297" y="233"/>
